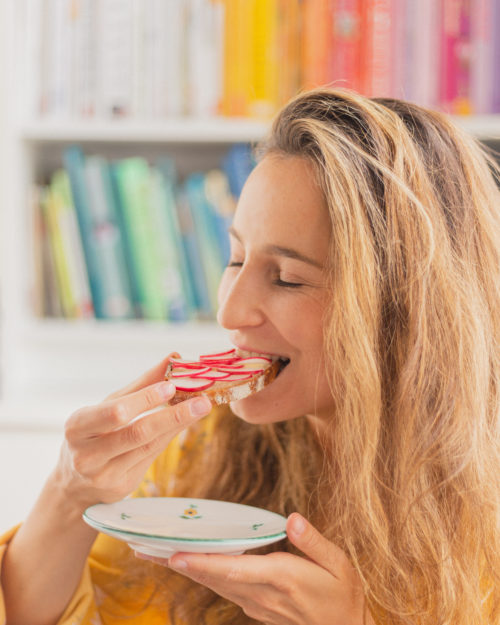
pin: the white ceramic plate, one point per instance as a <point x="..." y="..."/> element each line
<point x="162" y="526"/>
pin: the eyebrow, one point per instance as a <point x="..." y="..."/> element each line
<point x="278" y="250"/>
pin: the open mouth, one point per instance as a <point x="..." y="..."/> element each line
<point x="284" y="362"/>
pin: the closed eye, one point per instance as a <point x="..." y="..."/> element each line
<point x="276" y="282"/>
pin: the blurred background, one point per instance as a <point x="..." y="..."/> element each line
<point x="126" y="135"/>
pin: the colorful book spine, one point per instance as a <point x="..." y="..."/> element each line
<point x="289" y="49"/>
<point x="237" y="165"/>
<point x="222" y="206"/>
<point x="72" y="279"/>
<point x="317" y="38"/>
<point x="167" y="168"/>
<point x="376" y="49"/>
<point x="265" y="66"/>
<point x="133" y="181"/>
<point x="206" y="236"/>
<point x="482" y="68"/>
<point x="344" y="53"/>
<point x="456" y="57"/>
<point x="115" y="286"/>
<point x="74" y="163"/>
<point x="193" y="256"/>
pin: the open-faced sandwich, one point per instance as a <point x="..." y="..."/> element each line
<point x="223" y="377"/>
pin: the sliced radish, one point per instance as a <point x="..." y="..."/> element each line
<point x="253" y="363"/>
<point x="212" y="375"/>
<point x="179" y="362"/>
<point x="234" y="377"/>
<point x="220" y="354"/>
<point x="219" y="361"/>
<point x="230" y="369"/>
<point x="192" y="384"/>
<point x="189" y="372"/>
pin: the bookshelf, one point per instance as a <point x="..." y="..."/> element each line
<point x="48" y="368"/>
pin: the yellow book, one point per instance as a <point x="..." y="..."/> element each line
<point x="289" y="51"/>
<point x="53" y="208"/>
<point x="265" y="58"/>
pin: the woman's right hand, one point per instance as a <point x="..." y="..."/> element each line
<point x="106" y="450"/>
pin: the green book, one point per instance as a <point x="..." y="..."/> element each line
<point x="133" y="182"/>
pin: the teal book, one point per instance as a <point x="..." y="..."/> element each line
<point x="133" y="181"/>
<point x="116" y="290"/>
<point x="193" y="256"/>
<point x="74" y="163"/>
<point x="166" y="167"/>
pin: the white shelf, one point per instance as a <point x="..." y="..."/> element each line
<point x="181" y="130"/>
<point x="188" y="130"/>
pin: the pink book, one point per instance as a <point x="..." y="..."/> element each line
<point x="482" y="57"/>
<point x="378" y="51"/>
<point x="456" y="57"/>
<point x="345" y="70"/>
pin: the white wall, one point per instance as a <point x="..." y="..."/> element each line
<point x="26" y="459"/>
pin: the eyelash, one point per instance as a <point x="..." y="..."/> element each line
<point x="277" y="282"/>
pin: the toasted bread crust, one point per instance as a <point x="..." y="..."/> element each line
<point x="226" y="392"/>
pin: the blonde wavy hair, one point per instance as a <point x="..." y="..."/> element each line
<point x="410" y="486"/>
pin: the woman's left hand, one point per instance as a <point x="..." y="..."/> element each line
<point x="281" y="588"/>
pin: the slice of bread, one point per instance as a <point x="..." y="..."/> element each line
<point x="222" y="378"/>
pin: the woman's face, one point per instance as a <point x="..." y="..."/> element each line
<point x="272" y="295"/>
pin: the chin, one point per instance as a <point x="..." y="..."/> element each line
<point x="251" y="410"/>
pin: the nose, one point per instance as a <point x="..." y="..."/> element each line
<point x="240" y="301"/>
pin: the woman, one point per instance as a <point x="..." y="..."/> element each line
<point x="365" y="248"/>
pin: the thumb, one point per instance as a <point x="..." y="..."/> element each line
<point x="319" y="549"/>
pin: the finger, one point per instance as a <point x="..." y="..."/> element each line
<point x="150" y="434"/>
<point x="314" y="545"/>
<point x="155" y="374"/>
<point x="116" y="413"/>
<point x="210" y="569"/>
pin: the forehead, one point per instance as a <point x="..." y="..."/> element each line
<point x="283" y="204"/>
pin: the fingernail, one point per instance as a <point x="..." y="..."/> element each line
<point x="180" y="565"/>
<point x="201" y="406"/>
<point x="167" y="390"/>
<point x="298" y="525"/>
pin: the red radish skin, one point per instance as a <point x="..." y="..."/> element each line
<point x="223" y="377"/>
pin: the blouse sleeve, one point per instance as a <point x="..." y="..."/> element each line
<point x="106" y="563"/>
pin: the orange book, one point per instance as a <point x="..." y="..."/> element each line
<point x="317" y="36"/>
<point x="289" y="30"/>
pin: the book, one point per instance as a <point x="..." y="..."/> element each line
<point x="166" y="167"/>
<point x="201" y="296"/>
<point x="376" y="47"/>
<point x="455" y="95"/>
<point x="482" y="66"/>
<point x="206" y="236"/>
<point x="70" y="267"/>
<point x="115" y="300"/>
<point x="344" y="53"/>
<point x="133" y="180"/>
<point x="317" y="39"/>
<point x="222" y="206"/>
<point x="237" y="165"/>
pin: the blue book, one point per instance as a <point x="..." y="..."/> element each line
<point x="193" y="256"/>
<point x="237" y="165"/>
<point x="221" y="209"/>
<point x="206" y="235"/>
